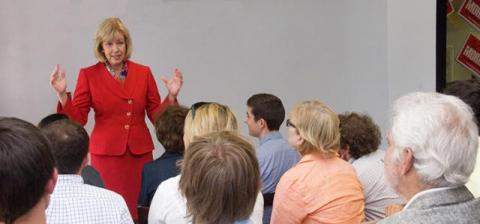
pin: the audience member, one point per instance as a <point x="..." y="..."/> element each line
<point x="321" y="188"/>
<point x="73" y="201"/>
<point x="89" y="174"/>
<point x="169" y="130"/>
<point x="432" y="147"/>
<point x="220" y="179"/>
<point x="265" y="114"/>
<point x="359" y="141"/>
<point x="469" y="92"/>
<point x="27" y="173"/>
<point x="168" y="204"/>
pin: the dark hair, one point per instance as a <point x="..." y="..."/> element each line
<point x="51" y="118"/>
<point x="360" y="133"/>
<point x="469" y="92"/>
<point x="27" y="165"/>
<point x="169" y="128"/>
<point x="269" y="108"/>
<point x="69" y="143"/>
<point x="220" y="178"/>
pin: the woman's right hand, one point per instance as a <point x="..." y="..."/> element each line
<point x="59" y="83"/>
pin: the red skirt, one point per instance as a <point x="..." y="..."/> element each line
<point x="122" y="174"/>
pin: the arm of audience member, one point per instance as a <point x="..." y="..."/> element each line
<point x="392" y="209"/>
<point x="257" y="213"/>
<point x="288" y="206"/>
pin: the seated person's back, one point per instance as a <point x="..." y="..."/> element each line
<point x="432" y="148"/>
<point x="89" y="174"/>
<point x="265" y="114"/>
<point x="469" y="92"/>
<point x="73" y="201"/>
<point x="168" y="204"/>
<point x="27" y="172"/>
<point x="169" y="131"/>
<point x="359" y="141"/>
<point x="220" y="179"/>
<point x="321" y="188"/>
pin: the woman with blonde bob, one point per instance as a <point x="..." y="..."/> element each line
<point x="121" y="92"/>
<point x="168" y="204"/>
<point x="321" y="188"/>
<point x="220" y="179"/>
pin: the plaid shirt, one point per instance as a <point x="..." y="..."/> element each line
<point x="73" y="201"/>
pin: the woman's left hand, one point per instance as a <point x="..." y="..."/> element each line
<point x="174" y="84"/>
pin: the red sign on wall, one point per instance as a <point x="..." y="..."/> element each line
<point x="469" y="56"/>
<point x="450" y="8"/>
<point x="470" y="11"/>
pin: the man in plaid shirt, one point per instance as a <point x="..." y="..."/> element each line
<point x="72" y="200"/>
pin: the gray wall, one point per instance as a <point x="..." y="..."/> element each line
<point x="353" y="55"/>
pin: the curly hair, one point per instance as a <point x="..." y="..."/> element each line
<point x="360" y="133"/>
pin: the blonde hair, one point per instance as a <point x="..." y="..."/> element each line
<point x="220" y="178"/>
<point x="106" y="31"/>
<point x="211" y="117"/>
<point x="318" y="125"/>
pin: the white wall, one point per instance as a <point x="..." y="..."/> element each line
<point x="353" y="55"/>
<point x="411" y="46"/>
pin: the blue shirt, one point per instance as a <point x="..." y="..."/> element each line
<point x="275" y="157"/>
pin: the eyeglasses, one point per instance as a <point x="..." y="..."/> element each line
<point x="195" y="107"/>
<point x="289" y="124"/>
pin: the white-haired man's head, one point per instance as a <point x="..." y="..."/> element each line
<point x="432" y="143"/>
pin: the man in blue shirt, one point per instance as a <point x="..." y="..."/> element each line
<point x="265" y="114"/>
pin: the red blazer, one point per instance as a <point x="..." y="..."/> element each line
<point x="119" y="108"/>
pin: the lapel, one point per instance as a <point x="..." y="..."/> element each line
<point x="131" y="81"/>
<point x="444" y="197"/>
<point x="125" y="90"/>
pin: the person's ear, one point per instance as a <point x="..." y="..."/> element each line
<point x="84" y="162"/>
<point x="262" y="123"/>
<point x="298" y="140"/>
<point x="345" y="152"/>
<point x="52" y="182"/>
<point x="407" y="161"/>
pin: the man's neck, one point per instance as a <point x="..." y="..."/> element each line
<point x="264" y="133"/>
<point x="414" y="187"/>
<point x="36" y="214"/>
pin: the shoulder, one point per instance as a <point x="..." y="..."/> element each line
<point x="137" y="66"/>
<point x="93" y="68"/>
<point x="168" y="205"/>
<point x="292" y="176"/>
<point x="151" y="166"/>
<point x="368" y="165"/>
<point x="169" y="185"/>
<point x="104" y="194"/>
<point x="275" y="146"/>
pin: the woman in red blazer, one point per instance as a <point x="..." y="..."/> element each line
<point x="120" y="92"/>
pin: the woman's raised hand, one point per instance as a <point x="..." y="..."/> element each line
<point x="59" y="83"/>
<point x="174" y="84"/>
<point x="58" y="80"/>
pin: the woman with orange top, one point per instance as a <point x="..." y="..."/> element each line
<point x="321" y="188"/>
